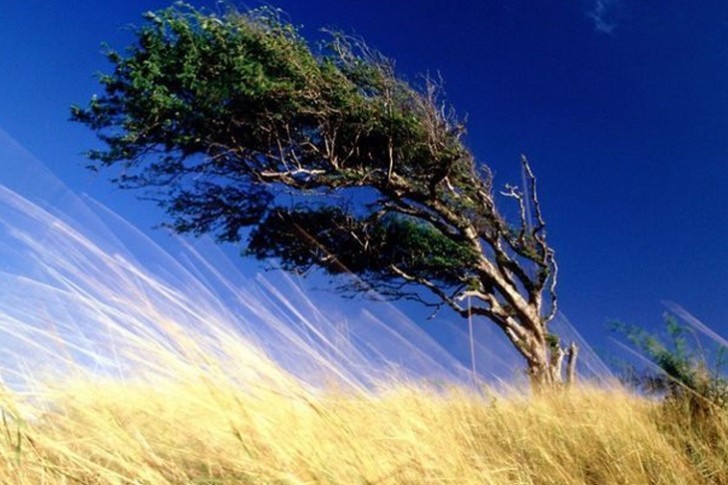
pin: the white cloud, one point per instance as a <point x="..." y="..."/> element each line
<point x="603" y="13"/>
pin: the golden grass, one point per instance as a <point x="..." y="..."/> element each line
<point x="198" y="429"/>
<point x="193" y="401"/>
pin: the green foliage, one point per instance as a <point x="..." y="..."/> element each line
<point x="218" y="114"/>
<point x="553" y="341"/>
<point x="246" y="86"/>
<point x="683" y="371"/>
<point x="342" y="243"/>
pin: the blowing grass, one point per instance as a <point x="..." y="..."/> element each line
<point x="201" y="428"/>
<point x="115" y="374"/>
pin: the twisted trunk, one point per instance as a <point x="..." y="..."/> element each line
<point x="545" y="368"/>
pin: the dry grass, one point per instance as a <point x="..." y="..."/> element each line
<point x="200" y="429"/>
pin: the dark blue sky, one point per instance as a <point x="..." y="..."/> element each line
<point x="621" y="106"/>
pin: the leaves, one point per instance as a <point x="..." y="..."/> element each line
<point x="334" y="239"/>
<point x="215" y="112"/>
<point x="683" y="371"/>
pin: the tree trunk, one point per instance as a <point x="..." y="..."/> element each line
<point x="544" y="375"/>
<point x="545" y="369"/>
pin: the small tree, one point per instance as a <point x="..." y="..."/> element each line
<point x="683" y="372"/>
<point x="232" y="117"/>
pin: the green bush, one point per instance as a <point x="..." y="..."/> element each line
<point x="686" y="372"/>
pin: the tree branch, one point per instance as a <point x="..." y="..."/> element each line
<point x="463" y="312"/>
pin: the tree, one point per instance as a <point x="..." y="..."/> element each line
<point x="324" y="159"/>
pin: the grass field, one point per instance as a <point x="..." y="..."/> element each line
<point x="199" y="425"/>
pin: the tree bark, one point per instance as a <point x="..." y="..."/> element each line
<point x="546" y="369"/>
<point x="571" y="364"/>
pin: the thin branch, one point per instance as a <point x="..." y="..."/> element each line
<point x="554" y="273"/>
<point x="541" y="224"/>
<point x="463" y="312"/>
<point x="513" y="192"/>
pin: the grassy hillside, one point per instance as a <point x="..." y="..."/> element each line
<point x="201" y="428"/>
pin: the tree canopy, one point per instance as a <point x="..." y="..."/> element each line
<point x="323" y="158"/>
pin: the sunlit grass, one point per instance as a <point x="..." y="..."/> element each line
<point x="175" y="435"/>
<point x="201" y="426"/>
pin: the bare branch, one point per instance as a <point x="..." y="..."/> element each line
<point x="513" y="192"/>
<point x="554" y="273"/>
<point x="541" y="224"/>
<point x="572" y="355"/>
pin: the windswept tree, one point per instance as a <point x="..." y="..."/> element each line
<point x="325" y="159"/>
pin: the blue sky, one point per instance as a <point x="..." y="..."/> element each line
<point x="621" y="106"/>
